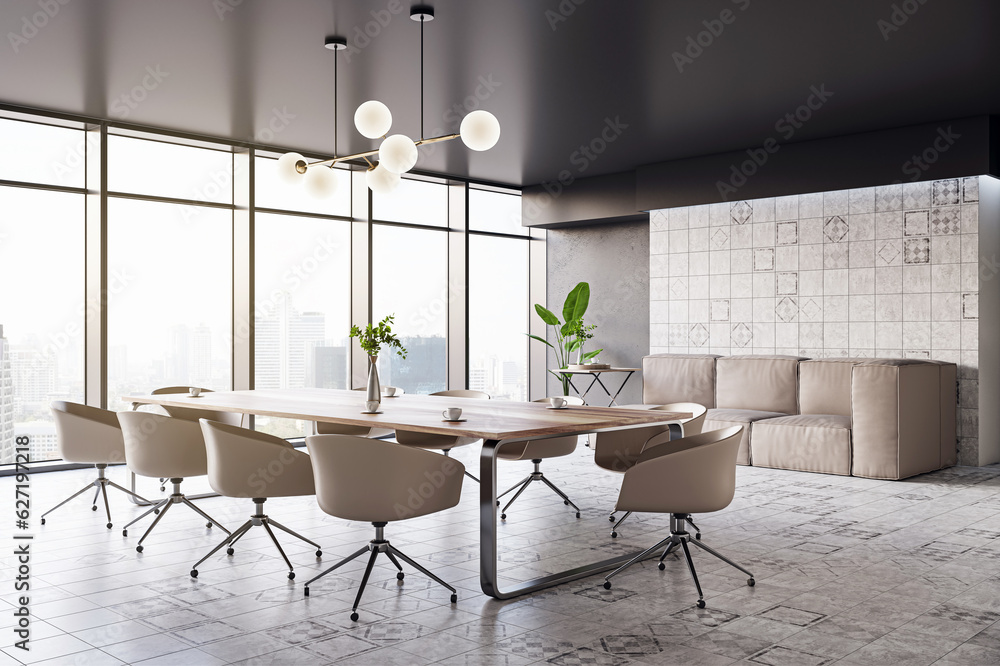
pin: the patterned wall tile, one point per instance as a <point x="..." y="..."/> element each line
<point x="885" y="271"/>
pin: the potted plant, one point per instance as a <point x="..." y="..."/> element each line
<point x="571" y="334"/>
<point x="372" y="339"/>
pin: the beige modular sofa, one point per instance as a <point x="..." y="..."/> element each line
<point x="876" y="418"/>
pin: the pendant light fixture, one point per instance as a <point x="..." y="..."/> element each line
<point x="397" y="153"/>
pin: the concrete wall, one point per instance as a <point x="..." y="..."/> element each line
<point x="988" y="371"/>
<point x="614" y="259"/>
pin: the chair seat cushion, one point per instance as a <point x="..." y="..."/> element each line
<point x="805" y="442"/>
<point x="726" y="418"/>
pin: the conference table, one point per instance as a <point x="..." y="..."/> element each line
<point x="497" y="423"/>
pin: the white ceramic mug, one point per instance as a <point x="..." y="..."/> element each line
<point x="372" y="405"/>
<point x="194" y="391"/>
<point x="452" y="414"/>
<point x="389" y="391"/>
<point x="557" y="402"/>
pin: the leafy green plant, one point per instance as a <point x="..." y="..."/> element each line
<point x="571" y="333"/>
<point x="373" y="338"/>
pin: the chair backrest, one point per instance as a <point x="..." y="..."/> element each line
<point x="244" y="463"/>
<point x="375" y="481"/>
<point x="194" y="414"/>
<point x="693" y="425"/>
<point x="88" y="434"/>
<point x="570" y="400"/>
<point x="463" y="393"/>
<point x="163" y="446"/>
<point x="618" y="450"/>
<point x="695" y="474"/>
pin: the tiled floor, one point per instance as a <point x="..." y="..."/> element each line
<point x="848" y="571"/>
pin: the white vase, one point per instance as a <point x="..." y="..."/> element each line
<point x="374" y="390"/>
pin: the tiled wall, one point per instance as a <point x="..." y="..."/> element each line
<point x="883" y="271"/>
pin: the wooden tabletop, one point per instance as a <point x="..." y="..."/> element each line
<point x="486" y="419"/>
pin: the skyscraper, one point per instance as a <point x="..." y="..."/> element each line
<point x="285" y="340"/>
<point x="6" y="403"/>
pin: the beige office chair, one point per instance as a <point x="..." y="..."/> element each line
<point x="443" y="443"/>
<point x="378" y="482"/>
<point x="695" y="474"/>
<point x="323" y="428"/>
<point x="536" y="451"/>
<point x="617" y="451"/>
<point x="90" y="435"/>
<point x="236" y="458"/>
<point x="193" y="414"/>
<point x="164" y="447"/>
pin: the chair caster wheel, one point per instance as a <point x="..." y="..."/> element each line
<point x="454" y="598"/>
<point x="400" y="576"/>
<point x="110" y="526"/>
<point x="291" y="575"/>
<point x="124" y="533"/>
<point x="751" y="582"/>
<point x="577" y="514"/>
<point x="229" y="551"/>
<point x="661" y="566"/>
<point x="208" y="524"/>
<point x="607" y="585"/>
<point x="319" y="553"/>
<point x="698" y="536"/>
<point x="614" y="535"/>
<point x="138" y="549"/>
<point x="566" y="502"/>
<point x="156" y="512"/>
<point x="498" y="502"/>
<point x="162" y="488"/>
<point x="194" y="573"/>
<point x="43" y="521"/>
<point x="701" y="603"/>
<point x="611" y="519"/>
<point x="354" y="617"/>
<point x="503" y="516"/>
<point x="93" y="508"/>
<point x="307" y="591"/>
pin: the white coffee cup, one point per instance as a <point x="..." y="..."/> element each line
<point x="372" y="405"/>
<point x="389" y="391"/>
<point x="452" y="414"/>
<point x="194" y="391"/>
<point x="557" y="402"/>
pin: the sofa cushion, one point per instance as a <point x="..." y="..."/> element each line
<point x="949" y="412"/>
<point x="896" y="418"/>
<point x="670" y="378"/>
<point x="804" y="442"/>
<point x="726" y="418"/>
<point x="825" y="385"/>
<point x="764" y="383"/>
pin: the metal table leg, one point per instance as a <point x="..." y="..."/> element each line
<point x="618" y="392"/>
<point x="488" y="537"/>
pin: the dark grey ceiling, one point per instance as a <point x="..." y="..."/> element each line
<point x="558" y="74"/>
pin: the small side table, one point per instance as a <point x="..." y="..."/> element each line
<point x="596" y="379"/>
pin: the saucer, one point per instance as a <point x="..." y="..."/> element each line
<point x="563" y="407"/>
<point x="375" y="412"/>
<point x="194" y="396"/>
<point x="453" y="420"/>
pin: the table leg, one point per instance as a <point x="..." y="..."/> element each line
<point x="618" y="392"/>
<point x="488" y="539"/>
<point x="596" y="378"/>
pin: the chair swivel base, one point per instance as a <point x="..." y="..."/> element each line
<point x="523" y="484"/>
<point x="614" y="530"/>
<point x="161" y="508"/>
<point x="380" y="545"/>
<point x="259" y="518"/>
<point x="679" y="537"/>
<point x="100" y="485"/>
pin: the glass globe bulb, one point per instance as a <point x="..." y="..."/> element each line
<point x="380" y="180"/>
<point x="286" y="167"/>
<point x="397" y="153"/>
<point x="321" y="182"/>
<point x="480" y="130"/>
<point x="373" y="119"/>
